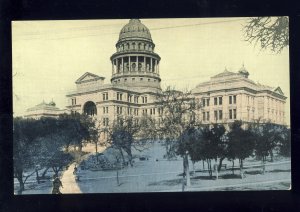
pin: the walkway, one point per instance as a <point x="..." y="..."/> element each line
<point x="69" y="182"/>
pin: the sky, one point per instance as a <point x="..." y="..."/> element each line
<point x="49" y="56"/>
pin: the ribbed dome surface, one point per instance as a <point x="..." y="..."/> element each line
<point x="135" y="29"/>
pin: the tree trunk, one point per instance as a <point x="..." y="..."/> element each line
<point x="118" y="182"/>
<point x="264" y="167"/>
<point x="194" y="171"/>
<point x="241" y="168"/>
<point x="96" y="148"/>
<point x="44" y="173"/>
<point x="188" y="178"/>
<point x="271" y="155"/>
<point x="233" y="167"/>
<point x="203" y="164"/>
<point x="220" y="164"/>
<point x="37" y="176"/>
<point x="19" y="175"/>
<point x="122" y="155"/>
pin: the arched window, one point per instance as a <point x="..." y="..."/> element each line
<point x="133" y="45"/>
<point x="139" y="46"/>
<point x="127" y="46"/>
<point x="90" y="108"/>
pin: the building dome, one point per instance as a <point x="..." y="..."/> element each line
<point x="135" y="29"/>
<point x="135" y="64"/>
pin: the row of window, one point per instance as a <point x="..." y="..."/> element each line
<point x="218" y="100"/>
<point x="129" y="98"/>
<point x="133" y="80"/>
<point x="135" y="46"/>
<point x="134" y="111"/>
<point x="218" y="115"/>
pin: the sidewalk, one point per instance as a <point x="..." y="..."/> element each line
<point x="68" y="181"/>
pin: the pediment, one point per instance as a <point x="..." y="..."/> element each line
<point x="278" y="90"/>
<point x="87" y="77"/>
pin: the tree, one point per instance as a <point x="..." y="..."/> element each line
<point x="128" y="133"/>
<point x="76" y="128"/>
<point x="25" y="141"/>
<point x="267" y="137"/>
<point x="177" y="118"/>
<point x="213" y="145"/>
<point x="240" y="144"/>
<point x="271" y="32"/>
<point x="285" y="143"/>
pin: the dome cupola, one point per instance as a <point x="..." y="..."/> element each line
<point x="243" y="71"/>
<point x="135" y="29"/>
<point x="135" y="63"/>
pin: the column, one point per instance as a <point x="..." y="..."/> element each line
<point x="129" y="64"/>
<point x="144" y="66"/>
<point x="112" y="67"/>
<point x="158" y="68"/>
<point x="151" y="64"/>
<point x="137" y="63"/>
<point x="155" y="69"/>
<point x="122" y="65"/>
<point x="117" y="65"/>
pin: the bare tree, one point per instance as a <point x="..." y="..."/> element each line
<point x="177" y="116"/>
<point x="270" y="32"/>
<point x="128" y="133"/>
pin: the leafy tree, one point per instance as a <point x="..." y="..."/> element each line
<point x="285" y="143"/>
<point x="25" y="137"/>
<point x="267" y="137"/>
<point x="76" y="128"/>
<point x="240" y="144"/>
<point x="270" y="32"/>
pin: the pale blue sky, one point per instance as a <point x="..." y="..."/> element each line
<point x="49" y="56"/>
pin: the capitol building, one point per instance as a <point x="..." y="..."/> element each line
<point x="135" y="83"/>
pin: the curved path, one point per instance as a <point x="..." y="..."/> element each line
<point x="68" y="181"/>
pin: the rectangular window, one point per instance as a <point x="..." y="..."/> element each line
<point x="207" y="102"/>
<point x="215" y="101"/>
<point x="234" y="99"/>
<point x="220" y="114"/>
<point x="203" y="116"/>
<point x="216" y="115"/>
<point x="150" y="111"/>
<point x="234" y="113"/>
<point x="105" y="96"/>
<point x="203" y="102"/>
<point x="154" y="111"/>
<point x="145" y="99"/>
<point x="141" y="79"/>
<point x="220" y="100"/>
<point x="230" y="114"/>
<point x="207" y="116"/>
<point x="133" y="79"/>
<point x="230" y="100"/>
<point x="104" y="110"/>
<point x="119" y="96"/>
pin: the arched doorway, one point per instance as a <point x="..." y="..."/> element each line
<point x="90" y="108"/>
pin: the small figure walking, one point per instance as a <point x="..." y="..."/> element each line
<point x="56" y="185"/>
<point x="75" y="170"/>
<point x="76" y="173"/>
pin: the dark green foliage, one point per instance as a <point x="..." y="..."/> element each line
<point x="240" y="142"/>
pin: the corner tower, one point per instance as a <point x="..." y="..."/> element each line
<point x="135" y="64"/>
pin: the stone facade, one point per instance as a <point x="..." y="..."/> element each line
<point x="43" y="110"/>
<point x="135" y="83"/>
<point x="230" y="96"/>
